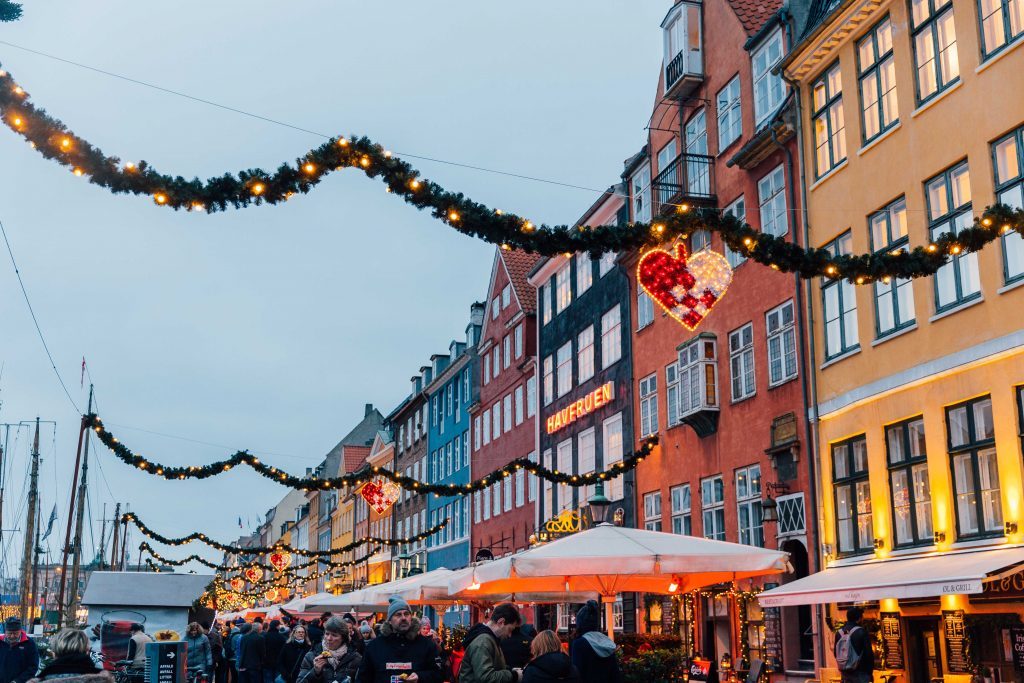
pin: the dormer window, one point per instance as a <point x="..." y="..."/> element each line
<point x="684" y="59"/>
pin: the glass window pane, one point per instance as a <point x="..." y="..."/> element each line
<point x="983" y="427"/>
<point x="957" y="419"/>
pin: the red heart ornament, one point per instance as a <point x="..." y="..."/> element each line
<point x="380" y="494"/>
<point x="237" y="583"/>
<point x="280" y="560"/>
<point x="687" y="288"/>
<point x="254" y="574"/>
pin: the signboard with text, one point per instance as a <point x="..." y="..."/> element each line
<point x="1017" y="645"/>
<point x="955" y="631"/>
<point x="892" y="644"/>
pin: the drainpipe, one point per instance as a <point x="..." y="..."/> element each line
<point x="809" y="383"/>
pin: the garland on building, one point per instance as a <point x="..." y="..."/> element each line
<point x="262" y="550"/>
<point x="367" y="474"/>
<point x="330" y="565"/>
<point x="255" y="187"/>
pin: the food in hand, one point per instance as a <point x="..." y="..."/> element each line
<point x="403" y="676"/>
<point x="325" y="653"/>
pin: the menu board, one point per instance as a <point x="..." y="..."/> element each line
<point x="1017" y="644"/>
<point x="668" y="615"/>
<point x="773" y="634"/>
<point x="892" y="646"/>
<point x="956" y="641"/>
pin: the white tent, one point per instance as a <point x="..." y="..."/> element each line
<point x="361" y="599"/>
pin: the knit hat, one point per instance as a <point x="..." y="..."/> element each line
<point x="12" y="624"/>
<point x="588" y="618"/>
<point x="397" y="604"/>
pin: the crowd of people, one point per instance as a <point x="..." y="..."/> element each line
<point x="401" y="648"/>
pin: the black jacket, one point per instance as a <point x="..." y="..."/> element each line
<point x="275" y="641"/>
<point x="316" y="634"/>
<point x="597" y="663"/>
<point x="252" y="650"/>
<point x="408" y="653"/>
<point x="551" y="668"/>
<point x="290" y="658"/>
<point x="861" y="643"/>
<point x="18" y="661"/>
<point x="516" y="647"/>
<point x="345" y="670"/>
<point x="69" y="666"/>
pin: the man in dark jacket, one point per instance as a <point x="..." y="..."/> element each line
<point x="252" y="652"/>
<point x="861" y="645"/>
<point x="593" y="652"/>
<point x="516" y="648"/>
<point x="275" y="641"/>
<point x="400" y="650"/>
<point x="483" y="661"/>
<point x="19" y="657"/>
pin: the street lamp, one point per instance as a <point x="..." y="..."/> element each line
<point x="599" y="504"/>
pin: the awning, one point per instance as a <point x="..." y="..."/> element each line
<point x="936" y="574"/>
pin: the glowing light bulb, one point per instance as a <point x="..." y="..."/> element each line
<point x="474" y="587"/>
<point x="673" y="587"/>
<point x="364" y="162"/>
<point x="986" y="222"/>
<point x="160" y="198"/>
<point x="78" y="172"/>
<point x="309" y="168"/>
<point x="18" y="90"/>
<point x="658" y="228"/>
<point x="414" y="184"/>
<point x="955" y="249"/>
<point x="453" y="215"/>
<point x="831" y="270"/>
<point x="932" y="248"/>
<point x="197" y="206"/>
<point x="17" y="121"/>
<point x="129" y="165"/>
<point x="387" y="154"/>
<point x="65" y="143"/>
<point x="258" y="188"/>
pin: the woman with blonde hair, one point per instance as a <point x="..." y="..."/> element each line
<point x="71" y="661"/>
<point x="199" y="654"/>
<point x="549" y="663"/>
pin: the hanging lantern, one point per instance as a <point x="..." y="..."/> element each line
<point x="254" y="574"/>
<point x="271" y="595"/>
<point x="237" y="583"/>
<point x="280" y="560"/>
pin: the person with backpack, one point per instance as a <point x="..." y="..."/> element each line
<point x="854" y="656"/>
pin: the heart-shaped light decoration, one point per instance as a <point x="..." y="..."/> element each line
<point x="280" y="560"/>
<point x="380" y="494"/>
<point x="687" y="288"/>
<point x="237" y="583"/>
<point x="254" y="574"/>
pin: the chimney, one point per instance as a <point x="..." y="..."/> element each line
<point x="428" y="375"/>
<point x="368" y="410"/>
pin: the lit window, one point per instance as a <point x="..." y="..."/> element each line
<point x="908" y="481"/>
<point x="829" y="123"/>
<point x="949" y="211"/>
<point x="894" y="297"/>
<point x="840" y="306"/>
<point x="698" y="377"/>
<point x="563" y="288"/>
<point x="611" y="337"/>
<point x="771" y="194"/>
<point x="584" y="272"/>
<point x="1008" y="161"/>
<point x="854" y="531"/>
<point x="611" y="432"/>
<point x="935" y="53"/>
<point x="972" y="451"/>
<point x="876" y="71"/>
<point x="1002" y="22"/>
<point x="586" y="459"/>
<point x="564" y="361"/>
<point x="585" y="354"/>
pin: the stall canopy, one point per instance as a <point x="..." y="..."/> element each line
<point x="918" y="577"/>
<point x="432" y="589"/>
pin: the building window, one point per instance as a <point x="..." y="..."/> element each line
<point x="1020" y="414"/>
<point x="649" y="405"/>
<point x="854" y="533"/>
<point x="738" y="210"/>
<point x="1008" y="162"/>
<point x="771" y="197"/>
<point x="518" y="336"/>
<point x="748" y="505"/>
<point x="506" y="352"/>
<point x="585" y="354"/>
<point x="533" y="479"/>
<point x="698" y="171"/>
<point x="564" y="360"/>
<point x="652" y="511"/>
<point x="699" y="240"/>
<point x="611" y="337"/>
<point x="908" y="482"/>
<point x="698" y="377"/>
<point x="506" y="407"/>
<point x="495" y="362"/>
<point x="606" y="263"/>
<point x="768" y="87"/>
<point x="741" y="362"/>
<point x="494" y="308"/>
<point x="712" y="505"/>
<point x="487" y="503"/>
<point x="564" y="455"/>
<point x="586" y="459"/>
<point x="671" y="394"/>
<point x="497" y="498"/>
<point x="972" y="451"/>
<point x="611" y="432"/>
<point x="876" y="73"/>
<point x="730" y="115"/>
<point x="644" y="309"/>
<point x="487" y="427"/>
<point x="476" y="432"/>
<point x="519" y="404"/>
<point x="668" y="171"/>
<point x="531" y="396"/>
<point x="549" y="380"/>
<point x="781" y="326"/>
<point x="640" y="193"/>
<point x="584" y="273"/>
<point x="839" y="301"/>
<point x="935" y="52"/>
<point x="545" y="302"/>
<point x="520" y="488"/>
<point x="829" y="122"/>
<point x="563" y="288"/>
<point x="682" y="523"/>
<point x="1002" y="22"/>
<point x="507" y="494"/>
<point x="496" y="420"/>
<point x="894" y="297"/>
<point x="949" y="211"/>
<point x="506" y="296"/>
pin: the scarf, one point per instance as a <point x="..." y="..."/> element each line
<point x="334" y="657"/>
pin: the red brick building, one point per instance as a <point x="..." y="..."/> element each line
<point x="504" y="419"/>
<point x="727" y="399"/>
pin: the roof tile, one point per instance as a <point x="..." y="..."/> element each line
<point x="519" y="264"/>
<point x="753" y="13"/>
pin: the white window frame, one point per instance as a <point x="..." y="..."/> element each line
<point x="644" y="309"/>
<point x="771" y="194"/>
<point x="506" y="352"/>
<point x="652" y="510"/>
<point x="506" y="296"/>
<point x="606" y="263"/>
<point x="713" y="507"/>
<point x="781" y="337"/>
<point x="671" y="394"/>
<point x="742" y="379"/>
<point x="518" y="344"/>
<point x="648" y="392"/>
<point x="640" y="193"/>
<point x="748" y="503"/>
<point x="563" y="286"/>
<point x="730" y="114"/>
<point x="549" y="380"/>
<point x="518" y="401"/>
<point x="563" y="369"/>
<point x="494" y="308"/>
<point x="611" y="336"/>
<point x="506" y="408"/>
<point x="585" y="354"/>
<point x="694" y="359"/>
<point x="681" y="502"/>
<point x="612" y="449"/>
<point x="531" y="396"/>
<point x="496" y="421"/>
<point x="763" y="63"/>
<point x="584" y="273"/>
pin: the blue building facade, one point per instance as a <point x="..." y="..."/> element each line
<point x="449" y="396"/>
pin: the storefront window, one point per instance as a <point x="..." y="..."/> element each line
<point x="908" y="481"/>
<point x="755" y="630"/>
<point x="975" y="470"/>
<point x="854" y="531"/>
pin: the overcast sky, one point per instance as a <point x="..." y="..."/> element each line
<point x="269" y="328"/>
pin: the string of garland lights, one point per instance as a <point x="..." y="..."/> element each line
<point x="262" y="550"/>
<point x="364" y="476"/>
<point x="330" y="565"/>
<point x="55" y="141"/>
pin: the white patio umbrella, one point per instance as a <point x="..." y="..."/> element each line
<point x="609" y="560"/>
<point x="432" y="588"/>
<point x="361" y="599"/>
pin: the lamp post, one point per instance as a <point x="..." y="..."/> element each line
<point x="599" y="504"/>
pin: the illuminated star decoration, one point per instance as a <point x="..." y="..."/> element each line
<point x="686" y="287"/>
<point x="380" y="494"/>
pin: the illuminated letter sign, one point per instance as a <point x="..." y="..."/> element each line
<point x="580" y="407"/>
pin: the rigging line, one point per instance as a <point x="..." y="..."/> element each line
<point x="204" y="443"/>
<point x="290" y="125"/>
<point x="39" y="331"/>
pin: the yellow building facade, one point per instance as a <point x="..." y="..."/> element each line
<point x="913" y="123"/>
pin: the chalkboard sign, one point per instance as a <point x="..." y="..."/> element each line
<point x="668" y="615"/>
<point x="772" y="633"/>
<point x="956" y="641"/>
<point x="892" y="644"/>
<point x="1017" y="643"/>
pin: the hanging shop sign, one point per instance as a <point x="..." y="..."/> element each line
<point x="1007" y="588"/>
<point x="956" y="642"/>
<point x="892" y="644"/>
<point x="580" y="407"/>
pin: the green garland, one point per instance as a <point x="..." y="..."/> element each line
<point x="263" y="550"/>
<point x="146" y="547"/>
<point x="363" y="476"/>
<point x="9" y="11"/>
<point x="255" y="186"/>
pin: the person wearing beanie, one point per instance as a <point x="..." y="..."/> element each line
<point x="19" y="657"/>
<point x="400" y="652"/>
<point x="593" y="652"/>
<point x="484" y="661"/>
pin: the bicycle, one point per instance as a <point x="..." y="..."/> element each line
<point x="124" y="674"/>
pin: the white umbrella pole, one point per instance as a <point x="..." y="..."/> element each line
<point x="609" y="614"/>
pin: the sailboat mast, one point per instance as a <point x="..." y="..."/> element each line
<point x="27" y="559"/>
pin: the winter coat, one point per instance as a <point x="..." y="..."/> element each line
<point x="252" y="650"/>
<point x="77" y="668"/>
<point x="554" y="667"/>
<point x="234" y="642"/>
<point x="18" y="661"/>
<point x="516" y="648"/>
<point x="198" y="653"/>
<point x="290" y="658"/>
<point x="137" y="649"/>
<point x="593" y="654"/>
<point x="346" y="669"/>
<point x="216" y="646"/>
<point x="393" y="654"/>
<point x="484" y="662"/>
<point x="275" y="641"/>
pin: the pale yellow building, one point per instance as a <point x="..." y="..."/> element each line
<point x="913" y="123"/>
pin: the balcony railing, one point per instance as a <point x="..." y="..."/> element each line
<point x="690" y="179"/>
